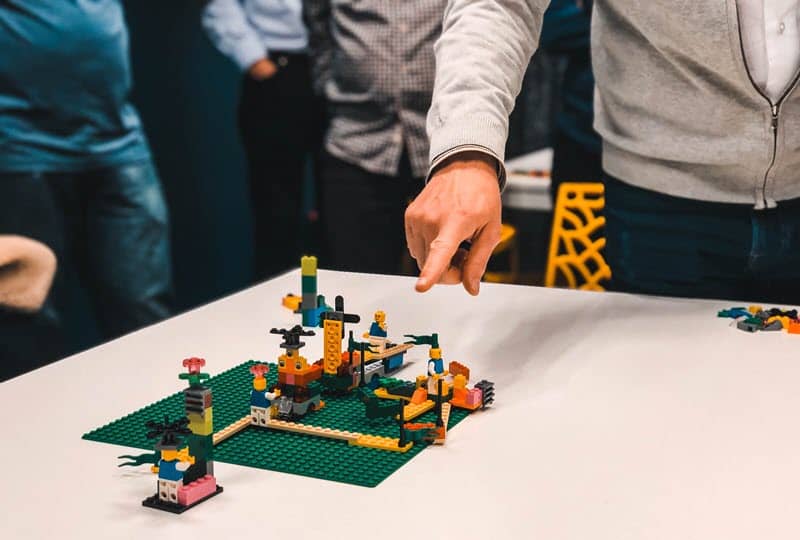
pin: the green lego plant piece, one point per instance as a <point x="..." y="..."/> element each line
<point x="282" y="451"/>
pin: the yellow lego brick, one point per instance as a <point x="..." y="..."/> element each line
<point x="754" y="309"/>
<point x="784" y="320"/>
<point x="308" y="266"/>
<point x="202" y="424"/>
<point x="384" y="394"/>
<point x="333" y="346"/>
<point x="381" y="443"/>
<point x="229" y="431"/>
<point x="292" y="301"/>
<point x="413" y="410"/>
<point x="327" y="433"/>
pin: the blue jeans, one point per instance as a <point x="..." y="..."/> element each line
<point x="110" y="227"/>
<point x="671" y="246"/>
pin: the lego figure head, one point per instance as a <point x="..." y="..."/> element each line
<point x="292" y="362"/>
<point x="259" y="379"/>
<point x="173" y="454"/>
<point x="380" y="318"/>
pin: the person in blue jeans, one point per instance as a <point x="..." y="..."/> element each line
<point x="73" y="150"/>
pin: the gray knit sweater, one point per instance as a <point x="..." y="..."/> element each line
<point x="675" y="104"/>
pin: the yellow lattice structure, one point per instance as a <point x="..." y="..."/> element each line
<point x="575" y="259"/>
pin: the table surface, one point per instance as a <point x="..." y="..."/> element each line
<point x="617" y="417"/>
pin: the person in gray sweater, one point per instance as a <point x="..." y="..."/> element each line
<point x="697" y="106"/>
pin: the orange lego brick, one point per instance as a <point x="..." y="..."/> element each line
<point x="457" y="368"/>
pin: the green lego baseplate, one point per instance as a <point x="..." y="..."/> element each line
<point x="281" y="451"/>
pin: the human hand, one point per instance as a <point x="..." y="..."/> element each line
<point x="461" y="202"/>
<point x="27" y="268"/>
<point x="262" y="69"/>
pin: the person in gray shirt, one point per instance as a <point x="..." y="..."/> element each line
<point x="699" y="112"/>
<point x="374" y="64"/>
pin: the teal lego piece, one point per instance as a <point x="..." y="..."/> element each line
<point x="282" y="451"/>
<point x="309" y="284"/>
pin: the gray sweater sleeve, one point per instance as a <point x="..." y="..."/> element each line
<point x="481" y="58"/>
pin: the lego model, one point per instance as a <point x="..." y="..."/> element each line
<point x="184" y="459"/>
<point x="298" y="391"/>
<point x="364" y="410"/>
<point x="309" y="304"/>
<point x="450" y="384"/>
<point x="756" y="319"/>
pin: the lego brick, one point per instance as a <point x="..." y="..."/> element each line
<point x="231" y="430"/>
<point x="175" y="508"/>
<point x="291" y="301"/>
<point x="197" y="491"/>
<point x="440" y="439"/>
<point x="268" y="449"/>
<point x="381" y="443"/>
<point x="324" y="432"/>
<point x="202" y="424"/>
<point x="413" y="410"/>
<point x="308" y="265"/>
<point x="391" y="351"/>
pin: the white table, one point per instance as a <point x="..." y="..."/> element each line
<point x="617" y="417"/>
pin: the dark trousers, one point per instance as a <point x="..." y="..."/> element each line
<point x="671" y="246"/>
<point x="280" y="123"/>
<point x="573" y="162"/>
<point x="363" y="215"/>
<point x="110" y="227"/>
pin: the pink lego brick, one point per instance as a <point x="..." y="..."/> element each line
<point x="474" y="397"/>
<point x="198" y="489"/>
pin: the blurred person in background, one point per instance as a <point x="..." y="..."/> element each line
<point x="27" y="339"/>
<point x="30" y="245"/>
<point x="374" y="64"/>
<point x="72" y="144"/>
<point x="698" y="111"/>
<point x="576" y="145"/>
<point x="279" y="117"/>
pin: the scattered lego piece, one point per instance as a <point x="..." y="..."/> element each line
<point x="757" y="319"/>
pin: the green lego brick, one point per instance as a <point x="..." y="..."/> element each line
<point x="309" y="284"/>
<point x="281" y="451"/>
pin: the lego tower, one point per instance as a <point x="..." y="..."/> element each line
<point x="199" y="481"/>
<point x="308" y="306"/>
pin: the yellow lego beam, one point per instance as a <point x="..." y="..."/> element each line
<point x="229" y="431"/>
<point x="352" y="438"/>
<point x="381" y="443"/>
<point x="327" y="433"/>
<point x="413" y="410"/>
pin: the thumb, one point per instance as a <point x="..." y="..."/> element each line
<point x="478" y="257"/>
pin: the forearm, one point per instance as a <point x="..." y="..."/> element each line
<point x="228" y="29"/>
<point x="27" y="268"/>
<point x="481" y="59"/>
